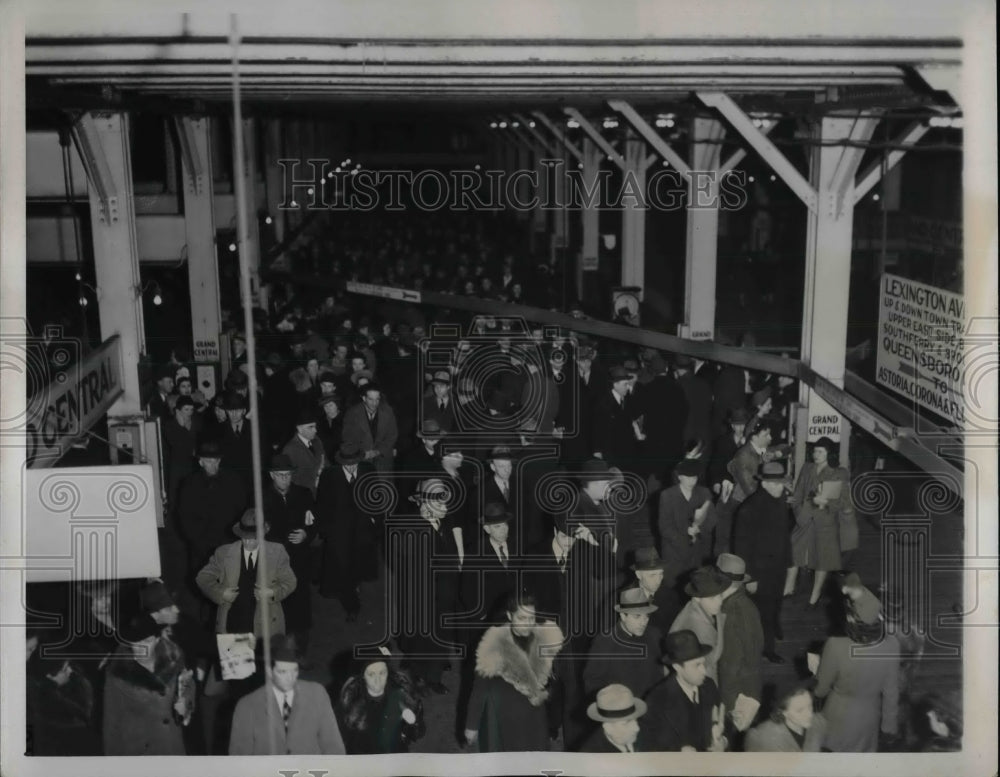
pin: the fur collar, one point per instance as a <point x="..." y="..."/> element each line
<point x="354" y="698"/>
<point x="128" y="670"/>
<point x="529" y="672"/>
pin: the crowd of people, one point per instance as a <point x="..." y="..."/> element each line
<point x="600" y="540"/>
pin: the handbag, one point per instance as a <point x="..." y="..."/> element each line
<point x="847" y="521"/>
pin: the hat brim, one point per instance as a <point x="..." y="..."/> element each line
<point x="337" y="457"/>
<point x="644" y="609"/>
<point x="640" y="710"/>
<point x="691" y="591"/>
<point x="649" y="567"/>
<point x="703" y="650"/>
<point x="249" y="534"/>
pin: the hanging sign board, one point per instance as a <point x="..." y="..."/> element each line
<point x="920" y="350"/>
<point x="90" y="523"/>
<point x="73" y="403"/>
<point x="386" y="292"/>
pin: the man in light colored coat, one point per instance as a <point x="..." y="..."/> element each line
<point x="300" y="720"/>
<point x="703" y="614"/>
<point x="230" y="580"/>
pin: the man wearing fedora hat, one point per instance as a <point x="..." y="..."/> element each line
<point x="208" y="502"/>
<point x="630" y="653"/>
<point x="424" y="458"/>
<point x="499" y="484"/>
<point x="437" y="405"/>
<point x="230" y="579"/>
<point x="288" y="511"/>
<point x="649" y="576"/>
<point x="703" y="614"/>
<point x="237" y="441"/>
<point x="614" y="437"/>
<point x="739" y="664"/>
<point x="305" y="450"/>
<point x="618" y="711"/>
<point x="762" y="537"/>
<point x="491" y="578"/>
<point x="348" y="532"/>
<point x="301" y="717"/>
<point x="685" y="710"/>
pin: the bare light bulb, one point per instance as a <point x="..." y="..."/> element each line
<point x="157" y="299"/>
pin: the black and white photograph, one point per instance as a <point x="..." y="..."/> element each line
<point x="532" y="387"/>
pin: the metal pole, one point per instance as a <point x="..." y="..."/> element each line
<point x="258" y="489"/>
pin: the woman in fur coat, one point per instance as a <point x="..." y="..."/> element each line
<point x="507" y="711"/>
<point x="379" y="710"/>
<point x="148" y="694"/>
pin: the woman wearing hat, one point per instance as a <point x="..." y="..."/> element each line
<point x="824" y="518"/>
<point x="380" y="711"/>
<point x="793" y="727"/>
<point x="618" y="712"/>
<point x="685" y="522"/>
<point x="858" y="678"/>
<point x="60" y="708"/>
<point x="330" y="423"/>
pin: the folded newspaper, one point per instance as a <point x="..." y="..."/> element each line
<point x="236" y="656"/>
<point x="744" y="711"/>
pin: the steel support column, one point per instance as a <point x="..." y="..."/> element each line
<point x="274" y="175"/>
<point x="590" y="213"/>
<point x="634" y="213"/>
<point x="103" y="141"/>
<point x="252" y="239"/>
<point x="199" y="229"/>
<point x="828" y="270"/>
<point x="701" y="247"/>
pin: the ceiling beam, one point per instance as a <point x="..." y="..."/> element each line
<point x="762" y="145"/>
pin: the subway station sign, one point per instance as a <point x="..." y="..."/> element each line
<point x="920" y="349"/>
<point x="73" y="402"/>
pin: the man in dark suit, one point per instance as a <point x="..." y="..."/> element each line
<point x="371" y="426"/>
<point x="698" y="392"/>
<point x="237" y="442"/>
<point x="489" y="579"/>
<point x="663" y="407"/>
<point x="617" y="711"/>
<point x="305" y="450"/>
<point x="424" y="459"/>
<point x="349" y="541"/>
<point x="722" y="483"/>
<point x="159" y="407"/>
<point x="630" y="653"/>
<point x="288" y="509"/>
<point x="685" y="711"/>
<point x="762" y="538"/>
<point x="438" y="405"/>
<point x="301" y="720"/>
<point x="746" y="463"/>
<point x="649" y="574"/>
<point x="614" y="437"/>
<point x="208" y="502"/>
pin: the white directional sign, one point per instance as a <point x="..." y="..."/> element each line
<point x="386" y="292"/>
<point x="920" y="345"/>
